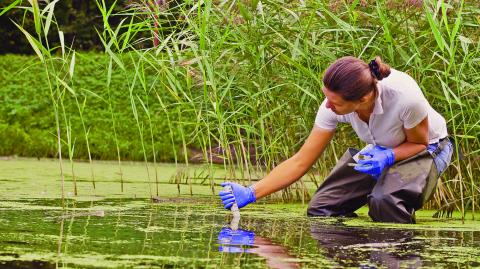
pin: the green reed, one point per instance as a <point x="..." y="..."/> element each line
<point x="243" y="78"/>
<point x="59" y="73"/>
<point x="40" y="45"/>
<point x="251" y="75"/>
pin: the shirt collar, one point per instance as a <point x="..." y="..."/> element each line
<point x="378" y="108"/>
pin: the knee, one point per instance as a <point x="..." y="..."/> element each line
<point x="313" y="210"/>
<point x="386" y="208"/>
<point x="317" y="209"/>
<point x="380" y="199"/>
<point x="328" y="210"/>
<point x="380" y="205"/>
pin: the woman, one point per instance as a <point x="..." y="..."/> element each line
<point x="387" y="109"/>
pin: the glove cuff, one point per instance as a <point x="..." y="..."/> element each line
<point x="251" y="194"/>
<point x="390" y="157"/>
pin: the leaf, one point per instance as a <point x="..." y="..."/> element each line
<point x="458" y="22"/>
<point x="36" y="15"/>
<point x="466" y="136"/>
<point x="464" y="42"/>
<point x="12" y="5"/>
<point x="465" y="39"/>
<point x="143" y="105"/>
<point x="110" y="52"/>
<point x="447" y="92"/>
<point x="306" y="91"/>
<point x="72" y="66"/>
<point x="109" y="72"/>
<point x="444" y="8"/>
<point x="244" y="11"/>
<point x="62" y="42"/>
<point x="66" y="86"/>
<point x="33" y="42"/>
<point x="436" y="31"/>
<point x="255" y="3"/>
<point x="386" y="31"/>
<point x="163" y="44"/>
<point x="50" y="7"/>
<point x="126" y="36"/>
<point x="94" y="95"/>
<point x="368" y="44"/>
<point x="344" y="25"/>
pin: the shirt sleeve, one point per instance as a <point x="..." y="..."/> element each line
<point x="326" y="118"/>
<point x="414" y="113"/>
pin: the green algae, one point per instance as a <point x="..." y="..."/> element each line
<point x="181" y="231"/>
<point x="32" y="178"/>
<point x="184" y="235"/>
<point x="424" y="221"/>
<point x="168" y="234"/>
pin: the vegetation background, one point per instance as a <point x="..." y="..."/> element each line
<point x="234" y="82"/>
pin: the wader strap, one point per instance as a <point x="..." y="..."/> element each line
<point x="439" y="148"/>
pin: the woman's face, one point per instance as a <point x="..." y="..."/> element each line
<point x="338" y="105"/>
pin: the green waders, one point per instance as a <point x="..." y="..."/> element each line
<point x="402" y="189"/>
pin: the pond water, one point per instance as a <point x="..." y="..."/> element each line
<point x="193" y="233"/>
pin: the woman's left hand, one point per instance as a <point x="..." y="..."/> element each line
<point x="380" y="158"/>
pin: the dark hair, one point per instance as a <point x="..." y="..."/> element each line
<point x="352" y="78"/>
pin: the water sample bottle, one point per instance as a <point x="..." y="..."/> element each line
<point x="359" y="156"/>
<point x="234" y="209"/>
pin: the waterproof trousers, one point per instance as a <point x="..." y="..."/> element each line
<point x="401" y="190"/>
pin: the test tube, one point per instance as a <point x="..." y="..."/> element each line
<point x="234" y="209"/>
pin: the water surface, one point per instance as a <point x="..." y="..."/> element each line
<point x="193" y="233"/>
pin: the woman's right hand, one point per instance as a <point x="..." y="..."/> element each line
<point x="240" y="194"/>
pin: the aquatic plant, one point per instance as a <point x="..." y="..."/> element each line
<point x="39" y="42"/>
<point x="240" y="80"/>
<point x="249" y="73"/>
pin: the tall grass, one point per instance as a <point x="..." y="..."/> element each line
<point x="40" y="45"/>
<point x="241" y="79"/>
<point x="248" y="73"/>
<point x="57" y="69"/>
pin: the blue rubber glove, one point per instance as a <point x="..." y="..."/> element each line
<point x="242" y="195"/>
<point x="379" y="159"/>
<point x="371" y="151"/>
<point x="235" y="241"/>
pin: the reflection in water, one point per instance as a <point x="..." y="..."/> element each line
<point x="245" y="241"/>
<point x="235" y="241"/>
<point x="135" y="233"/>
<point x="349" y="246"/>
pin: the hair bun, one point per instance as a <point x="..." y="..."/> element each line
<point x="379" y="69"/>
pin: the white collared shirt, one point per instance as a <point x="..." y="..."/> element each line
<point x="400" y="104"/>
